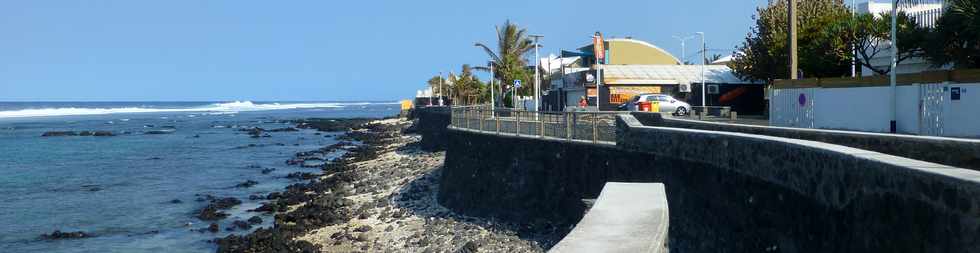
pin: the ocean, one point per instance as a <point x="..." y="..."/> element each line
<point x="122" y="188"/>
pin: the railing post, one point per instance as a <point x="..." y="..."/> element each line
<point x="568" y="126"/>
<point x="541" y="121"/>
<point x="482" y="114"/>
<point x="517" y="115"/>
<point x="497" y="120"/>
<point x="595" y="129"/>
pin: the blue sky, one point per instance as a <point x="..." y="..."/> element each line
<point x="305" y="50"/>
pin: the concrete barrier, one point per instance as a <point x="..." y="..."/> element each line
<point x="957" y="152"/>
<point x="627" y="217"/>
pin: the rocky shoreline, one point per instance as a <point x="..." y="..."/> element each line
<point x="379" y="196"/>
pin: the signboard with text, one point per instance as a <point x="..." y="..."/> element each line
<point x="599" y="47"/>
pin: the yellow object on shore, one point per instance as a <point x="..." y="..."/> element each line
<point x="406" y="105"/>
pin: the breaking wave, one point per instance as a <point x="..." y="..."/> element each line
<point x="229" y="107"/>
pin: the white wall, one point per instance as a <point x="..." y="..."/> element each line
<point x="962" y="117"/>
<point x="868" y="109"/>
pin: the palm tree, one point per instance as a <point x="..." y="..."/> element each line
<point x="465" y="86"/>
<point x="508" y="61"/>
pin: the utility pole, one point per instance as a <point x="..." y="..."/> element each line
<point x="792" y="40"/>
<point x="893" y="125"/>
<point x="704" y="95"/>
<point x="537" y="82"/>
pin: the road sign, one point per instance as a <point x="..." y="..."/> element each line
<point x="517" y="84"/>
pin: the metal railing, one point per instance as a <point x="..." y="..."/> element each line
<point x="592" y="127"/>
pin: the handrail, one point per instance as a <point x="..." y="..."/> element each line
<point x="588" y="126"/>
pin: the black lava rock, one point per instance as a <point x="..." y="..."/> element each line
<point x="241" y="224"/>
<point x="59" y="133"/>
<point x="363" y="229"/>
<point x="211" y="213"/>
<point x="225" y="203"/>
<point x="246" y="184"/>
<point x="263" y="240"/>
<point x="58" y="235"/>
<point x="255" y="220"/>
<point x="214" y="228"/>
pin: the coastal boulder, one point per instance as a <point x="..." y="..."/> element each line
<point x="58" y="235"/>
<point x="59" y="133"/>
<point x="211" y="213"/>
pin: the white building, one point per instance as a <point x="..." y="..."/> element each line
<point x="926" y="13"/>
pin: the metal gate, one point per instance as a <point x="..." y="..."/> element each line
<point x="932" y="100"/>
<point x="792" y="107"/>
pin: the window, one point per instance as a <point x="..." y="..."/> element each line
<point x="712" y="89"/>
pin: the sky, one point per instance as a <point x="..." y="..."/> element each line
<point x="366" y="50"/>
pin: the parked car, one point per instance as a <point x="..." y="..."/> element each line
<point x="667" y="104"/>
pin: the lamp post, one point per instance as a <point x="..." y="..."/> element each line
<point x="537" y="65"/>
<point x="683" y="46"/>
<point x="853" y="48"/>
<point x="703" y="59"/>
<point x="440" y="88"/>
<point x="893" y="125"/>
<point x="492" y="97"/>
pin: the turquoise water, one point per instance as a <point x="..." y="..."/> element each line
<point x="119" y="188"/>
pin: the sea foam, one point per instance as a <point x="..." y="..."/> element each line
<point x="218" y="108"/>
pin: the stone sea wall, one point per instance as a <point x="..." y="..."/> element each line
<point x="727" y="192"/>
<point x="432" y="122"/>
<point x="957" y="152"/>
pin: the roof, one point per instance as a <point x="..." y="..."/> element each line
<point x="724" y="60"/>
<point x="586" y="51"/>
<point x="669" y="74"/>
<point x="553" y="62"/>
<point x="646" y="44"/>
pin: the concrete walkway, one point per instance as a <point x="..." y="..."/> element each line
<point x="627" y="217"/>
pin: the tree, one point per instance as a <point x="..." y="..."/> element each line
<point x="434" y="84"/>
<point x="509" y="61"/>
<point x="956" y="38"/>
<point x="467" y="88"/>
<point x="714" y="58"/>
<point x="765" y="48"/>
<point x="869" y="35"/>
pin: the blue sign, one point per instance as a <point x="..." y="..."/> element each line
<point x="517" y="83"/>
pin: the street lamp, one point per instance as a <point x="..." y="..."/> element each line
<point x="893" y="125"/>
<point x="683" y="46"/>
<point x="440" y="88"/>
<point x="704" y="103"/>
<point x="537" y="64"/>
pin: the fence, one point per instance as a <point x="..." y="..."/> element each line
<point x="595" y="127"/>
<point x="934" y="103"/>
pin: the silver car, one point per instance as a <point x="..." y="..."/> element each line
<point x="667" y="103"/>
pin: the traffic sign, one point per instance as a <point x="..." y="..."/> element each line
<point x="517" y="83"/>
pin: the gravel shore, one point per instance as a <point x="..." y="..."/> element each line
<point x="380" y="197"/>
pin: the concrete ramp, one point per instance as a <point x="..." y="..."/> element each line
<point x="627" y="217"/>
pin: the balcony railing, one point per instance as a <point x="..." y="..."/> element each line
<point x="594" y="127"/>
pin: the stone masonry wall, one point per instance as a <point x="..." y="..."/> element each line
<point x="726" y="192"/>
